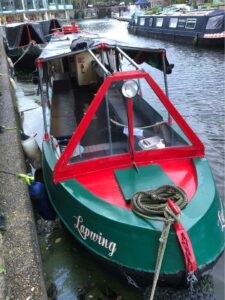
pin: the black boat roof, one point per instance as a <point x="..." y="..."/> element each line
<point x="16" y="34"/>
<point x="60" y="46"/>
<point x="49" y="25"/>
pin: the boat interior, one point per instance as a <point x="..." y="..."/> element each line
<point x="71" y="99"/>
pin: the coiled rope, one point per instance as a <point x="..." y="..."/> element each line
<point x="154" y="205"/>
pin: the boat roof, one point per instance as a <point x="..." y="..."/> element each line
<point x="11" y="25"/>
<point x="60" y="46"/>
<point x="191" y="13"/>
<point x="48" y="25"/>
<point x="17" y="35"/>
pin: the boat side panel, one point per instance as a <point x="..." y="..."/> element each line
<point x="180" y="33"/>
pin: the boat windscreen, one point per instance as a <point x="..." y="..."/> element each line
<point x="126" y="122"/>
<point x="109" y="132"/>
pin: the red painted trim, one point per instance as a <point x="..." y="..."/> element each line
<point x="65" y="171"/>
<point x="131" y="126"/>
<point x="175" y="208"/>
<point x="39" y="62"/>
<point x="28" y="32"/>
<point x="103" y="46"/>
<point x="46" y="137"/>
<point x="186" y="246"/>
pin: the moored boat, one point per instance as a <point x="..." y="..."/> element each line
<point x="111" y="135"/>
<point x="196" y="27"/>
<point x="24" y="43"/>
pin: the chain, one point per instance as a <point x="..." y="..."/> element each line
<point x="131" y="281"/>
<point x="191" y="277"/>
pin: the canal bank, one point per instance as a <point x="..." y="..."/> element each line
<point x="21" y="274"/>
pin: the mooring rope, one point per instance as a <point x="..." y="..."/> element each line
<point x="31" y="43"/>
<point x="153" y="205"/>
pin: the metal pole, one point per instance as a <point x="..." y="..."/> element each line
<point x="129" y="59"/>
<point x="107" y="113"/>
<point x="43" y="102"/>
<point x="98" y="62"/>
<point x="164" y="73"/>
<point x="165" y="82"/>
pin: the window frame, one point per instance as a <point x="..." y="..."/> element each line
<point x="150" y="22"/>
<point x="172" y="19"/>
<point x="141" y="23"/>
<point x="159" y="22"/>
<point x="191" y="21"/>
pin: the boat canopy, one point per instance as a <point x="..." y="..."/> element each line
<point x="49" y="26"/>
<point x="72" y="44"/>
<point x="20" y="34"/>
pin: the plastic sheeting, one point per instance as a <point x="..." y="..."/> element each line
<point x="17" y="34"/>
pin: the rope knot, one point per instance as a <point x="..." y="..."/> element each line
<point x="153" y="203"/>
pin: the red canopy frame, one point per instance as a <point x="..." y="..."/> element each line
<point x="63" y="170"/>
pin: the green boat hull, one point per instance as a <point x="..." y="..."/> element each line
<point x="121" y="238"/>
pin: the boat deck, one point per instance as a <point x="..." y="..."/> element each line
<point x="182" y="176"/>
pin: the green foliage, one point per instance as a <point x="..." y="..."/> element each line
<point x="154" y="10"/>
<point x="2" y="270"/>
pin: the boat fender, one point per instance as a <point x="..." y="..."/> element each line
<point x="13" y="83"/>
<point x="41" y="201"/>
<point x="196" y="40"/>
<point x="11" y="65"/>
<point x="32" y="150"/>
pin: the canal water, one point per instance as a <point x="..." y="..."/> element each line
<point x="197" y="88"/>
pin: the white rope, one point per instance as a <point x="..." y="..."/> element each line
<point x="140" y="127"/>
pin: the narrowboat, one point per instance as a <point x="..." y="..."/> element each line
<point x="24" y="43"/>
<point x="204" y="28"/>
<point x="124" y="171"/>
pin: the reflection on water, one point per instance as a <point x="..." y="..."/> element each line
<point x="197" y="89"/>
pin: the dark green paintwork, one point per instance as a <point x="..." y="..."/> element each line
<point x="136" y="238"/>
<point x="144" y="178"/>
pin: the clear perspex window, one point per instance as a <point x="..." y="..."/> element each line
<point x="108" y="133"/>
